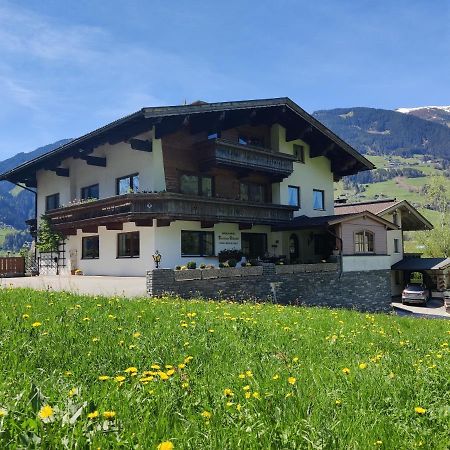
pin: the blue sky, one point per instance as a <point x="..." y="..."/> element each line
<point x="68" y="67"/>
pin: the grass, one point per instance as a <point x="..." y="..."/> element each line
<point x="219" y="375"/>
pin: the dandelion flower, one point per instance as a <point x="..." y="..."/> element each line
<point x="45" y="412"/>
<point x="166" y="445"/>
<point x="420" y="410"/>
<point x="276" y="377"/>
<point x="155" y="366"/>
<point x="163" y="376"/>
<point x="25" y="316"/>
<point x="246" y="388"/>
<point x="103" y="377"/>
<point x="110" y="415"/>
<point x="131" y="370"/>
<point x="137" y="334"/>
<point x="36" y="324"/>
<point x="362" y="366"/>
<point x="338" y="403"/>
<point x="255" y="394"/>
<point x="72" y="392"/>
<point x="248" y="394"/>
<point x="249" y="374"/>
<point x="93" y="415"/>
<point x="119" y="378"/>
<point x="206" y="414"/>
<point x="228" y="392"/>
<point x="292" y="380"/>
<point x="345" y="370"/>
<point x="181" y="366"/>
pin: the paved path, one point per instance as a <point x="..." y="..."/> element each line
<point x="92" y="285"/>
<point x="434" y="309"/>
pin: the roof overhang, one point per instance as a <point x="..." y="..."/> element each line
<point x="210" y="117"/>
<point x="419" y="264"/>
<point x="412" y="220"/>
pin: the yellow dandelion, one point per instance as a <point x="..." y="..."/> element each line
<point x="45" y="412"/>
<point x="93" y="415"/>
<point x="362" y="366"/>
<point x="246" y="388"/>
<point x="276" y="377"/>
<point x="345" y="370"/>
<point x="228" y="393"/>
<point x="185" y="385"/>
<point x="420" y="410"/>
<point x="206" y="414"/>
<point x="103" y="377"/>
<point x="295" y="359"/>
<point x="242" y="376"/>
<point x="155" y="366"/>
<point x="131" y="370"/>
<point x="72" y="392"/>
<point x="255" y="394"/>
<point x="25" y="316"/>
<point x="110" y="415"/>
<point x="166" y="445"/>
<point x="378" y="443"/>
<point x="248" y="394"/>
<point x="137" y="334"/>
<point x="163" y="376"/>
<point x="292" y="380"/>
<point x="181" y="366"/>
<point x="86" y="319"/>
<point x="95" y="339"/>
<point x="170" y="372"/>
<point x="36" y="324"/>
<point x="119" y="378"/>
<point x="68" y="373"/>
<point x="338" y="403"/>
<point x="249" y="374"/>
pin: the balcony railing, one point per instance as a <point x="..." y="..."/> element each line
<point x="167" y="206"/>
<point x="220" y="152"/>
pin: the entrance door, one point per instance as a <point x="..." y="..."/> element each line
<point x="294" y="249"/>
<point x="254" y="245"/>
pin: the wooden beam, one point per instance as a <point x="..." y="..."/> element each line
<point x="245" y="226"/>
<point x="61" y="172"/>
<point x="139" y="144"/>
<point x="205" y="224"/>
<point x="114" y="226"/>
<point x="163" y="222"/>
<point x="94" y="160"/>
<point x="293" y="134"/>
<point x="90" y="229"/>
<point x="317" y="151"/>
<point x="71" y="232"/>
<point x="144" y="222"/>
<point x="168" y="126"/>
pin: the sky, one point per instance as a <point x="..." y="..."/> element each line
<point x="69" y="67"/>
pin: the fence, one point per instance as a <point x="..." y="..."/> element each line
<point x="12" y="266"/>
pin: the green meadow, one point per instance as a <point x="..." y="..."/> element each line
<point x="92" y="372"/>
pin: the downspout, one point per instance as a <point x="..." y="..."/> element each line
<point x="340" y="252"/>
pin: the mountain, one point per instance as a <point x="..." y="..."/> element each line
<point x="438" y="114"/>
<point x="381" y="131"/>
<point x="17" y="205"/>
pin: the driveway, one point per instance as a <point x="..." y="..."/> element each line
<point x="434" y="309"/>
<point x="91" y="285"/>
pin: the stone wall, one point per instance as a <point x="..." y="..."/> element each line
<point x="365" y="291"/>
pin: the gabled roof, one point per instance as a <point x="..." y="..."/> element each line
<point x="412" y="219"/>
<point x="209" y="117"/>
<point x="305" y="222"/>
<point x="412" y="264"/>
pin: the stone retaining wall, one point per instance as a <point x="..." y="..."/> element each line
<point x="365" y="291"/>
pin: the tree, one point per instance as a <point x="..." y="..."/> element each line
<point x="437" y="240"/>
<point x="48" y="239"/>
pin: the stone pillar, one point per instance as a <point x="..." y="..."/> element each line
<point x="160" y="281"/>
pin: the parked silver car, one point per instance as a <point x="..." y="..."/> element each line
<point x="415" y="293"/>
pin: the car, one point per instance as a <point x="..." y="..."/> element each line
<point x="415" y="293"/>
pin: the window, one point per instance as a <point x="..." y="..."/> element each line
<point x="128" y="184"/>
<point x="252" y="192"/>
<point x="318" y="199"/>
<point x="299" y="152"/>
<point x="254" y="245"/>
<point x="197" y="243"/>
<point x="213" y="135"/>
<point x="128" y="245"/>
<point x="90" y="192"/>
<point x="51" y="202"/>
<point x="364" y="242"/>
<point x="196" y="185"/>
<point x="294" y="195"/>
<point x="90" y="247"/>
<point x="396" y="246"/>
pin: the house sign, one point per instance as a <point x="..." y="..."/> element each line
<point x="228" y="240"/>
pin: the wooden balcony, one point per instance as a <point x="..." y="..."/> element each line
<point x="142" y="208"/>
<point x="220" y="152"/>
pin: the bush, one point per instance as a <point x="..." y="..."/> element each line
<point x="191" y="265"/>
<point x="221" y="265"/>
<point x="232" y="263"/>
<point x="202" y="266"/>
<point x="226" y="255"/>
<point x="177" y="267"/>
<point x="254" y="262"/>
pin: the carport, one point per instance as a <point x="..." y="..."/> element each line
<point x="436" y="272"/>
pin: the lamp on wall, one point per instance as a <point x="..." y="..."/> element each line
<point x="157" y="258"/>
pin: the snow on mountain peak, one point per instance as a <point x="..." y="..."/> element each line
<point x="408" y="110"/>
